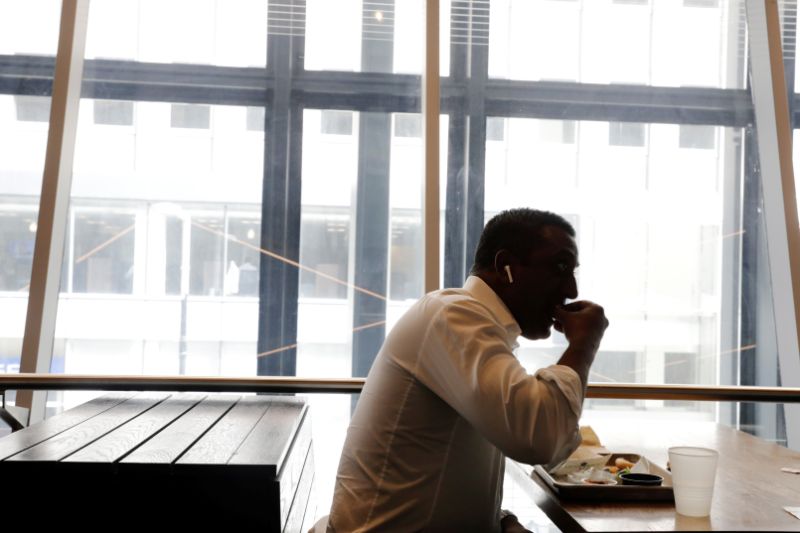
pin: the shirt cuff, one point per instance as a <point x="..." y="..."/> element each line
<point x="568" y="382"/>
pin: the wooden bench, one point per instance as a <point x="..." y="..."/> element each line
<point x="155" y="459"/>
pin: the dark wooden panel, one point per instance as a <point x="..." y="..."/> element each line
<point x="220" y="443"/>
<point x="310" y="515"/>
<point x="115" y="445"/>
<point x="38" y="433"/>
<point x="85" y="433"/>
<point x="289" y="475"/>
<point x="167" y="446"/>
<point x="271" y="439"/>
<point x="294" y="519"/>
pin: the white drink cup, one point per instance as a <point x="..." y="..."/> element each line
<point x="693" y="473"/>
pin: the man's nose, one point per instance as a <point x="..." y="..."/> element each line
<point x="571" y="287"/>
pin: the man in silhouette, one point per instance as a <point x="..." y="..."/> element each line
<point x="446" y="400"/>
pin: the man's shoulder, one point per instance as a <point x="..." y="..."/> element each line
<point x="449" y="301"/>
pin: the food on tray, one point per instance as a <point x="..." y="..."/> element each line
<point x="592" y="476"/>
<point x="590" y="454"/>
<point x="621" y="463"/>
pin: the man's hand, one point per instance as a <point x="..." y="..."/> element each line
<point x="583" y="323"/>
<point x="510" y="524"/>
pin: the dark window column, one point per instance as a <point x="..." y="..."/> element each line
<point x="466" y="157"/>
<point x="280" y="218"/>
<point x="372" y="195"/>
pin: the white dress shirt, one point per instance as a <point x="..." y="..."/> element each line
<point x="444" y="402"/>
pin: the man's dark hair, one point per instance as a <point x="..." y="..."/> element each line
<point x="516" y="230"/>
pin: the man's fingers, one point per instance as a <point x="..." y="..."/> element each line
<point x="576" y="306"/>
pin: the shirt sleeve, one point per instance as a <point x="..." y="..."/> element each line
<point x="467" y="361"/>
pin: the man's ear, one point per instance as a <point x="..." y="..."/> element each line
<point x="503" y="258"/>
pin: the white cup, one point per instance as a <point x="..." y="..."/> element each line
<point x="693" y="473"/>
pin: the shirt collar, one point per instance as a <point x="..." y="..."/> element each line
<point x="486" y="295"/>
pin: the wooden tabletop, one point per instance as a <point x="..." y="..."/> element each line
<point x="193" y="460"/>
<point x="749" y="494"/>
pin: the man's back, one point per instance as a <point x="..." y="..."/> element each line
<point x="444" y="401"/>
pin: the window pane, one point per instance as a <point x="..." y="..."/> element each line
<point x="557" y="131"/>
<point x="206" y="32"/>
<point x="243" y="254"/>
<point x="398" y="26"/>
<point x="656" y="42"/>
<point x="28" y="38"/>
<point x="103" y="252"/>
<point x="206" y="262"/>
<point x="32" y="108"/>
<point x="407" y="125"/>
<point x="495" y="129"/>
<point x="166" y="219"/>
<point x="325" y="237"/>
<point x="626" y="134"/>
<point x="255" y="118"/>
<point x="190" y="116"/>
<point x="115" y="113"/>
<point x="337" y="122"/>
<point x="702" y="137"/>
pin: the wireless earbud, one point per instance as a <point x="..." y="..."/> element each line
<point x="508" y="272"/>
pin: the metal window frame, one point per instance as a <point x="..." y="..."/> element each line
<point x="774" y="136"/>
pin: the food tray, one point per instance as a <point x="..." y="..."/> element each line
<point x="632" y="493"/>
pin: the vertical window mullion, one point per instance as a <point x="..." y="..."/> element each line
<point x="37" y="345"/>
<point x="780" y="207"/>
<point x="430" y="111"/>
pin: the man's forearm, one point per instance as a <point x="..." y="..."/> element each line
<point x="579" y="357"/>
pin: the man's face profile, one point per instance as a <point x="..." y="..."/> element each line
<point x="544" y="280"/>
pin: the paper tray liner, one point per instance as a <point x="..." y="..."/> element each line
<point x="619" y="492"/>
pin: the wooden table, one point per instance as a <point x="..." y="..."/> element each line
<point x="749" y="494"/>
<point x="154" y="460"/>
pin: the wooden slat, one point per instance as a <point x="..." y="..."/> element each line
<point x="168" y="445"/>
<point x="310" y="516"/>
<point x="294" y="519"/>
<point x="85" y="433"/>
<point x="115" y="445"/>
<point x="271" y="439"/>
<point x="220" y="443"/>
<point x="38" y="433"/>
<point x="290" y="473"/>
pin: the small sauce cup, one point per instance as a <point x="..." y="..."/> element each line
<point x="647" y="480"/>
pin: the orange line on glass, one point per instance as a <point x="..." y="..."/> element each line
<point x="370" y="325"/>
<point x="96" y="249"/>
<point x="726" y="236"/>
<point x="601" y="376"/>
<point x="290" y="261"/>
<point x="682" y="361"/>
<point x="290" y="346"/>
<point x="277" y="350"/>
<point x="739" y="349"/>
